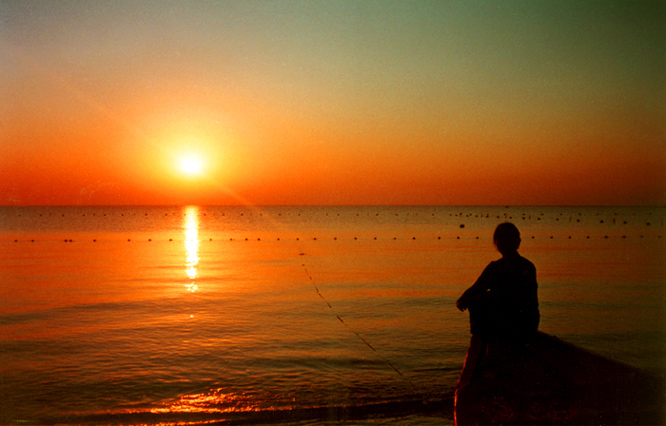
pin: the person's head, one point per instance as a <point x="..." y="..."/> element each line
<point x="506" y="238"/>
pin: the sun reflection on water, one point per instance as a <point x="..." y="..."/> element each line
<point x="191" y="245"/>
<point x="214" y="401"/>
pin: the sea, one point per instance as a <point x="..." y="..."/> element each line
<point x="199" y="315"/>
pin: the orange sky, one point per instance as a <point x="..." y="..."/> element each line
<point x="344" y="102"/>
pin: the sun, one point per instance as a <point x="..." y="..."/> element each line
<point x="191" y="165"/>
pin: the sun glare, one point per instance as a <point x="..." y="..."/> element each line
<point x="191" y="165"/>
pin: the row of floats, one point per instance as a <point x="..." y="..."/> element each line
<point x="552" y="237"/>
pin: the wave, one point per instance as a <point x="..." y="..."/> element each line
<point x="439" y="408"/>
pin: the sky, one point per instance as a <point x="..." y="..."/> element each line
<point x="333" y="102"/>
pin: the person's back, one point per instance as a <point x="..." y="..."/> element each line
<point x="512" y="288"/>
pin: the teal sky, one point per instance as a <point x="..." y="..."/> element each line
<point x="337" y="102"/>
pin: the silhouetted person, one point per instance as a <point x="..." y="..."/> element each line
<point x="503" y="301"/>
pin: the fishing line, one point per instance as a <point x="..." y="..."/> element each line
<point x="342" y="321"/>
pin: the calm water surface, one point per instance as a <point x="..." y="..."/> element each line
<point x="159" y="315"/>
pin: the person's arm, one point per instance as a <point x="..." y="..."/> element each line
<point x="476" y="291"/>
<point x="532" y="299"/>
